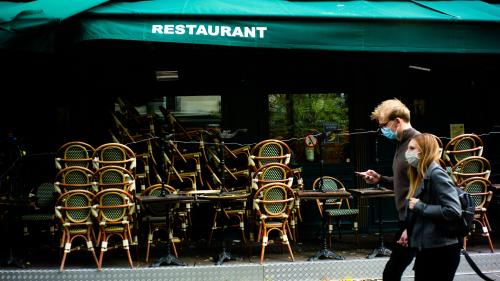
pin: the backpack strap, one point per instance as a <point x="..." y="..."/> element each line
<point x="474" y="266"/>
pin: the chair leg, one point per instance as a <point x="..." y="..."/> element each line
<point x="150" y="241"/>
<point x="174" y="248"/>
<point x="295" y="222"/>
<point x="289" y="231"/>
<point x="487" y="222"/>
<point x="486" y="233"/>
<point x="290" y="249"/>
<point x="356" y="232"/>
<point x="490" y="243"/>
<point x="129" y="258"/>
<point x="339" y="220"/>
<point x="104" y="248"/>
<point x="214" y="227"/>
<point x="285" y="241"/>
<point x="66" y="249"/>
<point x="259" y="231"/>
<point x="264" y="242"/>
<point x="241" y="218"/>
<point x="94" y="256"/>
<point x="126" y="237"/>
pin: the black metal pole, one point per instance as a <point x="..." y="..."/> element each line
<point x="168" y="259"/>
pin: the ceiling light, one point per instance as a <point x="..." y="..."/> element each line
<point x="167" y="75"/>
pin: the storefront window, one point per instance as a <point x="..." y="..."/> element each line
<point x="294" y="116"/>
<point x="198" y="111"/>
<point x="198" y="105"/>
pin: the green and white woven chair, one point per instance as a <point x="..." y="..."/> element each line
<point x="273" y="204"/>
<point x="41" y="217"/>
<point x="155" y="217"/>
<point x="269" y="151"/>
<point x="75" y="153"/>
<point x="71" y="178"/>
<point x="473" y="166"/>
<point x="75" y="213"/>
<point x="461" y="147"/>
<point x="336" y="209"/>
<point x="478" y="188"/>
<point x="115" y="208"/>
<point x="114" y="154"/>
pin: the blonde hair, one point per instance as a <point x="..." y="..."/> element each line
<point x="391" y="109"/>
<point x="429" y="152"/>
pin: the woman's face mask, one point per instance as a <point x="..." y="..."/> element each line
<point x="412" y="158"/>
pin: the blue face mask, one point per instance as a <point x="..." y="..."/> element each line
<point x="388" y="133"/>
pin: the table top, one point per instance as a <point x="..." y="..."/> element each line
<point x="230" y="195"/>
<point x="316" y="194"/>
<point x="372" y="192"/>
<point x="165" y="199"/>
<point x="16" y="202"/>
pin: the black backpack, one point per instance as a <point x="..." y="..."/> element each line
<point x="464" y="225"/>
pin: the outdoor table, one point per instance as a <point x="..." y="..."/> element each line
<point x="317" y="194"/>
<point x="7" y="206"/>
<point x="379" y="193"/>
<point x="168" y="200"/>
<point x="221" y="200"/>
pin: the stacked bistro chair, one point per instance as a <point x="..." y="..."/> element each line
<point x="74" y="211"/>
<point x="478" y="188"/>
<point x="141" y="143"/>
<point x="473" y="166"/>
<point x="116" y="177"/>
<point x="155" y="216"/>
<point x="75" y="177"/>
<point x="276" y="173"/>
<point x="114" y="154"/>
<point x="183" y="170"/>
<point x="273" y="204"/>
<point x="461" y="147"/>
<point x="276" y="151"/>
<point x="185" y="174"/>
<point x="271" y="173"/>
<point x="184" y="183"/>
<point x="336" y="209"/>
<point x="115" y="210"/>
<point x="74" y="206"/>
<point x="236" y="180"/>
<point x="235" y="213"/>
<point x="144" y="160"/>
<point x="269" y="151"/>
<point x="75" y="153"/>
<point x="122" y="174"/>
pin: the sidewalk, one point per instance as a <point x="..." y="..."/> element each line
<point x="44" y="264"/>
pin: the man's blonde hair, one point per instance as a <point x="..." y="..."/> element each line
<point x="391" y="109"/>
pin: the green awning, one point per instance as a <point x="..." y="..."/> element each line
<point x="359" y="25"/>
<point x="32" y="25"/>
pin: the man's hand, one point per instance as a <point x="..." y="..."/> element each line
<point x="370" y="176"/>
